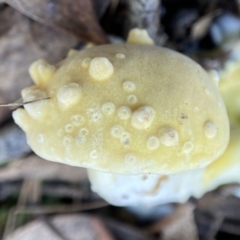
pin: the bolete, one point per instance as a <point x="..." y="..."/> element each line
<point x="129" y="109"/>
<point x="229" y="86"/>
<point x="150" y="190"/>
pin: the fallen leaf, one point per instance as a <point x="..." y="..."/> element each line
<point x="6" y="18"/>
<point x="75" y="17"/>
<point x="74" y="227"/>
<point x="36" y="168"/>
<point x="21" y="43"/>
<point x="215" y="202"/>
<point x="201" y="26"/>
<point x="180" y="225"/>
<point x="217" y="212"/>
<point x="124" y="231"/>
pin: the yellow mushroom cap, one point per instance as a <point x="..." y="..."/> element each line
<point x="128" y="109"/>
<point x="225" y="169"/>
<point x="230" y="90"/>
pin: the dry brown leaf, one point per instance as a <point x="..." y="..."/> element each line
<point x="75" y="17"/>
<point x="216" y="203"/>
<point x="180" y="225"/>
<point x="74" y="227"/>
<point x="36" y="168"/>
<point x="123" y="231"/>
<point x="15" y="58"/>
<point x="200" y="28"/>
<point x="6" y="19"/>
<point x="21" y="43"/>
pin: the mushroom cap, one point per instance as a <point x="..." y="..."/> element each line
<point x="230" y="90"/>
<point x="127" y="109"/>
<point x="226" y="168"/>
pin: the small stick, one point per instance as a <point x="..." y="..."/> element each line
<point x="15" y="104"/>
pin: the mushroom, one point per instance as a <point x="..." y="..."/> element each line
<point x="150" y="190"/>
<point x="127" y="112"/>
<point x="225" y="169"/>
<point x="229" y="86"/>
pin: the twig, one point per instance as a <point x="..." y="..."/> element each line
<point x="10" y="223"/>
<point x="61" y="208"/>
<point x="16" y="104"/>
